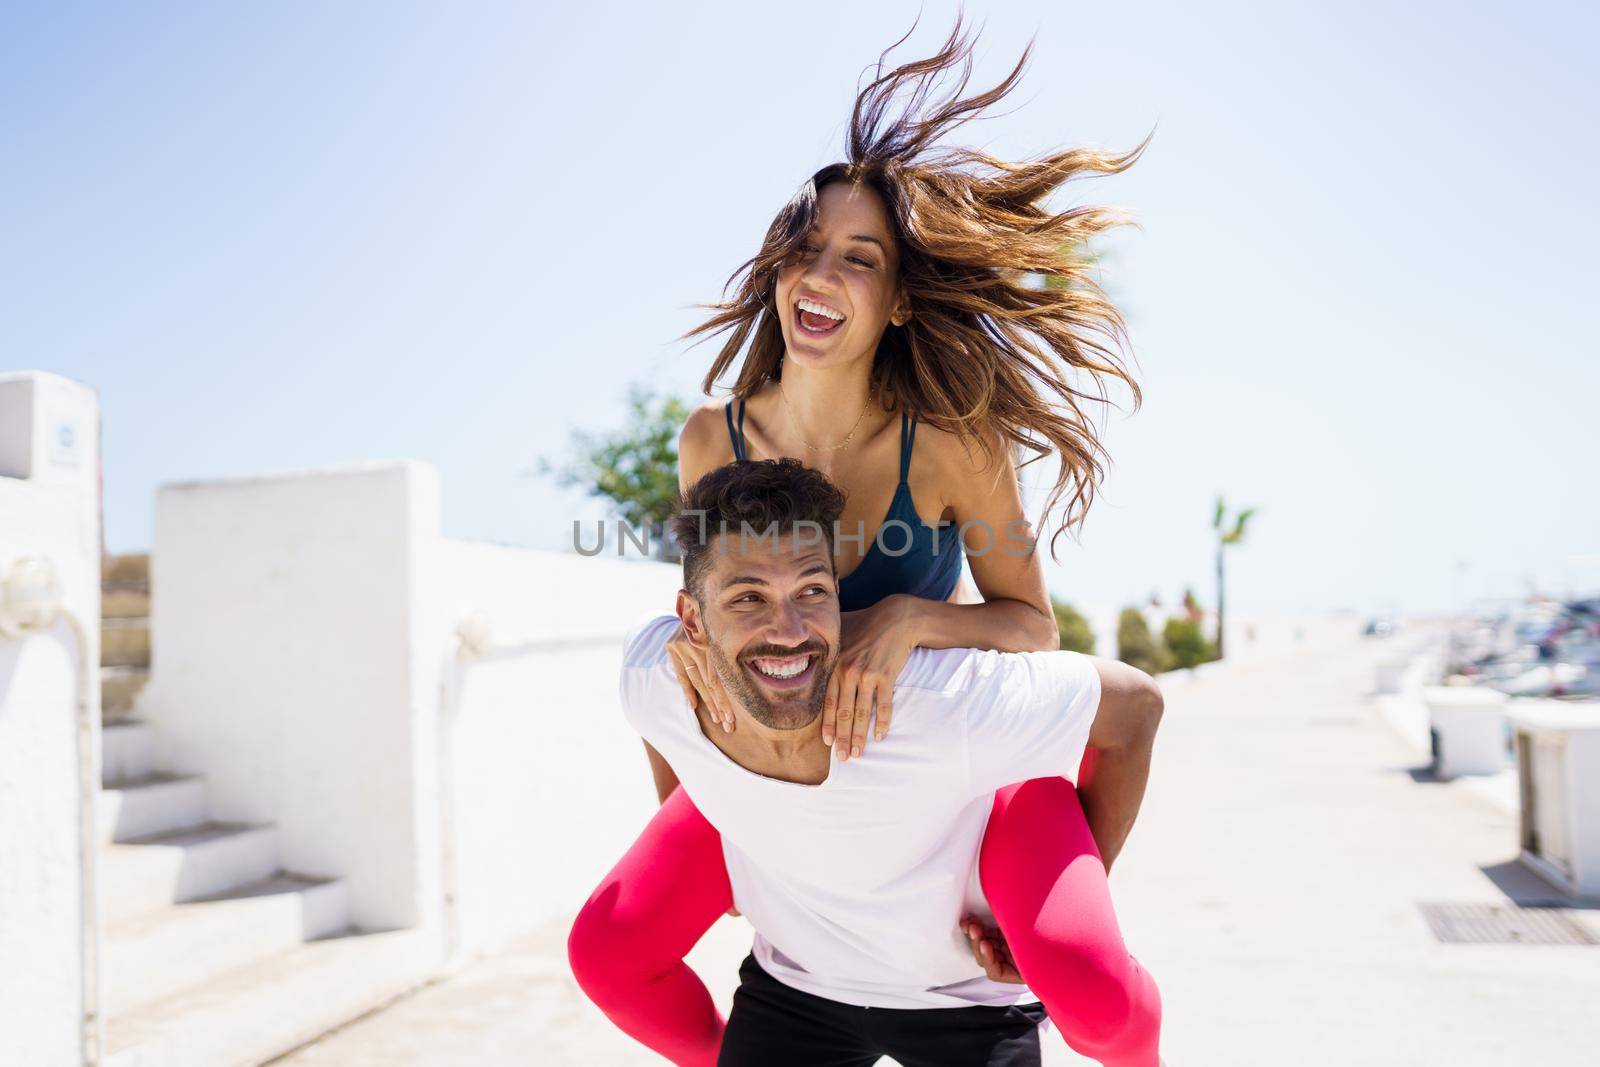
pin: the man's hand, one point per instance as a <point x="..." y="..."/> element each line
<point x="989" y="949"/>
<point x="700" y="684"/>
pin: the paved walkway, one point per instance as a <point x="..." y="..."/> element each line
<point x="1272" y="886"/>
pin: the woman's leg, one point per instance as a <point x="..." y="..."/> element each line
<point x="1043" y="876"/>
<point x="628" y="943"/>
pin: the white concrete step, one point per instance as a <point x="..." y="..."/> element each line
<point x="201" y="861"/>
<point x="261" y="1011"/>
<point x="151" y="804"/>
<point x="127" y="750"/>
<point x="157" y="954"/>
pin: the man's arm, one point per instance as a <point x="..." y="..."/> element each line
<point x="665" y="778"/>
<point x="641" y="694"/>
<point x="1116" y="767"/>
<point x="702" y="446"/>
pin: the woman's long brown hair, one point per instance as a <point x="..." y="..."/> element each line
<point x="987" y="347"/>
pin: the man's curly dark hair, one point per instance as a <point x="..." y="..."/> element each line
<point x="758" y="496"/>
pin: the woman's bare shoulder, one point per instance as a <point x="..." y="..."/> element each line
<point x="706" y="422"/>
<point x="953" y="456"/>
<point x="703" y="444"/>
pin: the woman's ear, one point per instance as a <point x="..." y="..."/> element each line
<point x="902" y="311"/>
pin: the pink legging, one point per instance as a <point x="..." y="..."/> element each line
<point x="1041" y="873"/>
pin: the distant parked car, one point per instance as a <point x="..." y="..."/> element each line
<point x="1378" y="628"/>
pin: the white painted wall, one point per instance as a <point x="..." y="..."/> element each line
<point x="306" y="660"/>
<point x="546" y="784"/>
<point x="295" y="665"/>
<point x="49" y="506"/>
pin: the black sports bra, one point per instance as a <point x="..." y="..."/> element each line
<point x="906" y="556"/>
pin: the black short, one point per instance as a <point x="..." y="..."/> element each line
<point x="774" y="1025"/>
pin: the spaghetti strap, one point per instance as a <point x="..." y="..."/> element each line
<point x="908" y="440"/>
<point x="736" y="436"/>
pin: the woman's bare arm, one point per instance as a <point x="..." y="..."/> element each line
<point x="1015" y="615"/>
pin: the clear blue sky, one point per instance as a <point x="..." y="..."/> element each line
<point x="290" y="235"/>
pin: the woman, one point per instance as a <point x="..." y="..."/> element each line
<point x="892" y="340"/>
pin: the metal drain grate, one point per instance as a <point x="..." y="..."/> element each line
<point x="1505" y="924"/>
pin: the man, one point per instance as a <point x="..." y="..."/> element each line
<point x="858" y="875"/>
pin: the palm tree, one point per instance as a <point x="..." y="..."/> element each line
<point x="1226" y="535"/>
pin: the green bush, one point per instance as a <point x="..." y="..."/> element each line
<point x="1075" y="633"/>
<point x="635" y="467"/>
<point x="1186" y="643"/>
<point x="1136" y="645"/>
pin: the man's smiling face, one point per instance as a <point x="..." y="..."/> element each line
<point x="769" y="611"/>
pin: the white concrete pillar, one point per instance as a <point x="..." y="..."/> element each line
<point x="295" y="663"/>
<point x="49" y="721"/>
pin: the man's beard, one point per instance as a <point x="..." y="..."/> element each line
<point x="795" y="713"/>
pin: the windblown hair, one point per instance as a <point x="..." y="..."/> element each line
<point x="755" y="497"/>
<point x="1007" y="316"/>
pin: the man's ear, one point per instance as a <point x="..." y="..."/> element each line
<point x="689" y="615"/>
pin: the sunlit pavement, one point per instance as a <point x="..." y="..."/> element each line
<point x="1271" y="886"/>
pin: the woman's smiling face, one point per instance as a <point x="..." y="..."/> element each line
<point x="836" y="295"/>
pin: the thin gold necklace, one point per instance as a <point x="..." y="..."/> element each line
<point x="795" y="422"/>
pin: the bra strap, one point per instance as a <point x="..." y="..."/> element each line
<point x="908" y="440"/>
<point x="736" y="436"/>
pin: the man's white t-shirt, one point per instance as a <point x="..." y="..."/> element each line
<point x="855" y="886"/>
